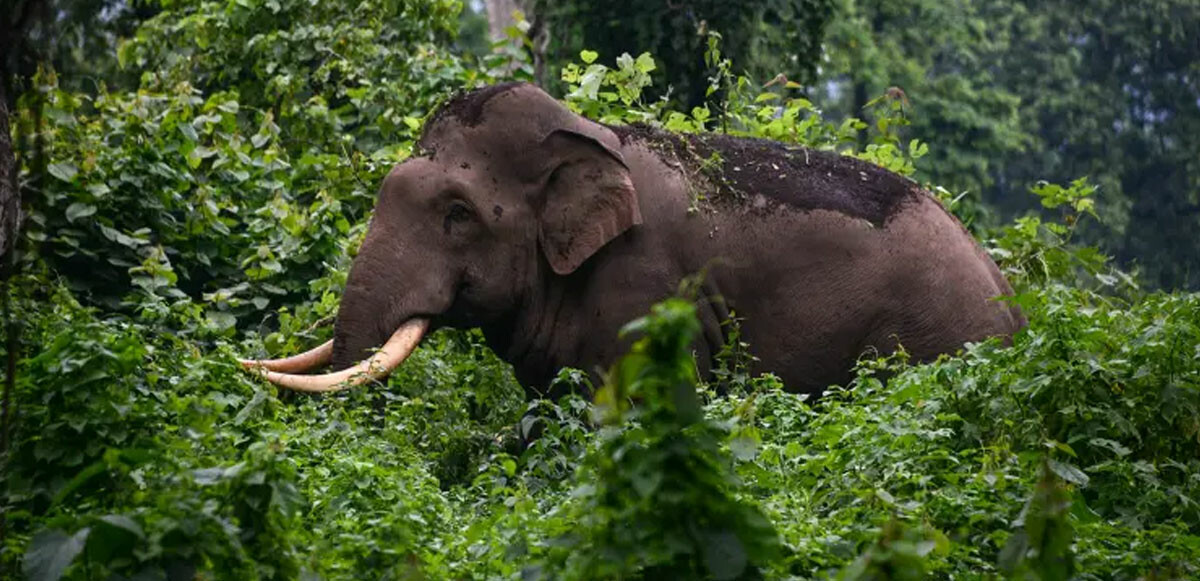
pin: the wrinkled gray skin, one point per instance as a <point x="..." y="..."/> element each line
<point x="549" y="232"/>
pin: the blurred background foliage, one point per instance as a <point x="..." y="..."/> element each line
<point x="1013" y="91"/>
<point x="196" y="176"/>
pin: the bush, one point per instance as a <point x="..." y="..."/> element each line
<point x="658" y="498"/>
<point x="179" y="217"/>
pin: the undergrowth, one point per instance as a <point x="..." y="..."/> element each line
<point x="141" y="451"/>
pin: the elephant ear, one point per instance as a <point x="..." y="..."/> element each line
<point x="588" y="200"/>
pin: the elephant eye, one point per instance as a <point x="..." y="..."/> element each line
<point x="458" y="214"/>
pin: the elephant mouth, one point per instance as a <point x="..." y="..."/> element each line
<point x="286" y="372"/>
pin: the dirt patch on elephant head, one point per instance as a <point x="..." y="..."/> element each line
<point x="738" y="169"/>
<point x="467" y="107"/>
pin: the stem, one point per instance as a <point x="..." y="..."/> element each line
<point x="10" y="204"/>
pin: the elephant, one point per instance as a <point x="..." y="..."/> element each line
<point x="549" y="232"/>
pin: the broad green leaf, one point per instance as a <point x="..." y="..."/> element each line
<point x="64" y="171"/>
<point x="251" y="407"/>
<point x="589" y="83"/>
<point x="51" y="552"/>
<point x="1069" y="473"/>
<point x="625" y="62"/>
<point x="208" y="476"/>
<point x="79" y="210"/>
<point x="113" y="535"/>
<point x="79" y="479"/>
<point x="1114" y="446"/>
<point x="724" y="556"/>
<point x="221" y="320"/>
<point x="188" y="131"/>
<point x="645" y="63"/>
<point x="120" y="238"/>
<point x="743" y="448"/>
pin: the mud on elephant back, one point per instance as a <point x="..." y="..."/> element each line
<point x="549" y="232"/>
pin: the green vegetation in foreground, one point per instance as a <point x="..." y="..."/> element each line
<point x="1073" y="450"/>
<point x="140" y="450"/>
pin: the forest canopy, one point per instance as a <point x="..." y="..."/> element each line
<point x="194" y="178"/>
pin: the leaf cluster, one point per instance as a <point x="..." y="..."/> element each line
<point x="657" y="496"/>
<point x="214" y="209"/>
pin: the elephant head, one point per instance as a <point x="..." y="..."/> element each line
<point x="506" y="187"/>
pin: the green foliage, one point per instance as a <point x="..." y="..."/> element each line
<point x="657" y="499"/>
<point x="255" y="140"/>
<point x="1041" y="548"/>
<point x="952" y="448"/>
<point x="624" y="84"/>
<point x="935" y="55"/>
<point x="213" y="210"/>
<point x="900" y="553"/>
<point x="616" y="96"/>
<point x="200" y="468"/>
<point x="1110" y="92"/>
<point x="1033" y="252"/>
<point x="1017" y="91"/>
<point x="764" y="36"/>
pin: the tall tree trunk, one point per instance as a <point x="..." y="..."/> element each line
<point x="500" y="17"/>
<point x="9" y="222"/>
<point x="9" y="196"/>
<point x="15" y="22"/>
<point x="539" y="33"/>
<point x="861" y="90"/>
<point x="499" y="13"/>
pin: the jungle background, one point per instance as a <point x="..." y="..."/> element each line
<point x="185" y="181"/>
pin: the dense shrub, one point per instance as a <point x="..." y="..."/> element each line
<point x="178" y="217"/>
<point x="255" y="141"/>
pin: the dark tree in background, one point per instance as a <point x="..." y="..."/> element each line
<point x="9" y="199"/>
<point x="1112" y="90"/>
<point x="762" y="37"/>
<point x="1009" y="91"/>
<point x="1015" y="91"/>
<point x="76" y="39"/>
<point x="938" y="54"/>
<point x="18" y="24"/>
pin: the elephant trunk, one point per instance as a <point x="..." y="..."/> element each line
<point x="361" y="325"/>
<point x="364" y="318"/>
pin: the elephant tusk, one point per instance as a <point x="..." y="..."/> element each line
<point x="391" y="355"/>
<point x="315" y="357"/>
